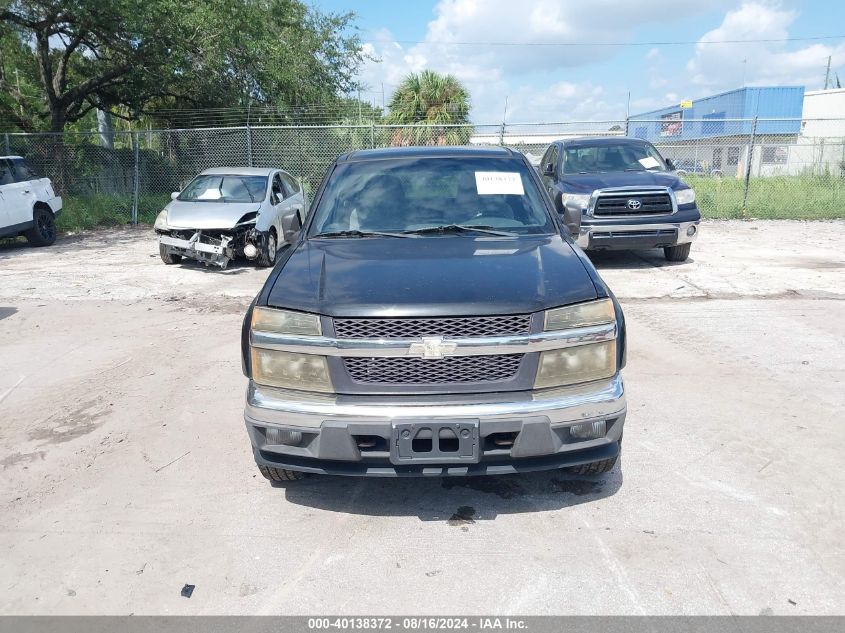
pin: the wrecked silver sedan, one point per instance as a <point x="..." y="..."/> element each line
<point x="229" y="212"/>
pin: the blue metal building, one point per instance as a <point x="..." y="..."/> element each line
<point x="715" y="117"/>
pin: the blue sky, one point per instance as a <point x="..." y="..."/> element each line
<point x="579" y="80"/>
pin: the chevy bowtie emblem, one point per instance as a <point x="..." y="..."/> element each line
<point x="432" y="347"/>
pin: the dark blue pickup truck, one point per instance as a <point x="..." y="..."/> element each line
<point x="432" y="316"/>
<point x="627" y="194"/>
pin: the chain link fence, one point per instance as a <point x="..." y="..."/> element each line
<point x="785" y="168"/>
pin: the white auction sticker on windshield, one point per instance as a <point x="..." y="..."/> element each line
<point x="498" y="182"/>
<point x="649" y="162"/>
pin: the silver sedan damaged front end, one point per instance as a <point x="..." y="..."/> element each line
<point x="211" y="246"/>
<point x="214" y="247"/>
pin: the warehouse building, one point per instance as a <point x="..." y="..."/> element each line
<point x="714" y="134"/>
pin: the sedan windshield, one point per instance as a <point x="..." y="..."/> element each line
<point x="590" y="159"/>
<point x="225" y="188"/>
<point x="431" y="197"/>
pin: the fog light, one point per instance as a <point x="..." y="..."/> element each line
<point x="691" y="231"/>
<point x="283" y="436"/>
<point x="250" y="252"/>
<point x="588" y="430"/>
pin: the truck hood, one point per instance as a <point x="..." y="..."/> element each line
<point x="431" y="276"/>
<point x="587" y="183"/>
<point x="207" y="215"/>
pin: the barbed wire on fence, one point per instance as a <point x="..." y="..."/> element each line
<point x="739" y="167"/>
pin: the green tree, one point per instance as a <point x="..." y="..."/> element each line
<point x="437" y="101"/>
<point x="131" y="58"/>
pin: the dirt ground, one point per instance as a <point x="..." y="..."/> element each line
<point x="127" y="472"/>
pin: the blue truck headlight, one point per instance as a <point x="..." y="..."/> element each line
<point x="685" y="196"/>
<point x="572" y="365"/>
<point x="285" y="322"/>
<point x="582" y="200"/>
<point x="288" y="370"/>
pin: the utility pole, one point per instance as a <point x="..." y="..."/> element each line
<point x="628" y="114"/>
<point x="360" y="121"/>
<point x="382" y="97"/>
<point x="826" y="74"/>
<point x="504" y="118"/>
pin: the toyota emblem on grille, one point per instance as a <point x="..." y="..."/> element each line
<point x="432" y="347"/>
<point x="634" y="204"/>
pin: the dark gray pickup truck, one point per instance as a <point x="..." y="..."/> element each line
<point x="627" y="194"/>
<point x="431" y="316"/>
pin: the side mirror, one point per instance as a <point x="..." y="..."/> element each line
<point x="174" y="195"/>
<point x="572" y="219"/>
<point x="291" y="225"/>
<point x="670" y="164"/>
<point x="548" y="169"/>
<point x="278" y="198"/>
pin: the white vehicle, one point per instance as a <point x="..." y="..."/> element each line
<point x="230" y="212"/>
<point x="28" y="205"/>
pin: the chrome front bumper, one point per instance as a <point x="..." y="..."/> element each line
<point x="538" y="421"/>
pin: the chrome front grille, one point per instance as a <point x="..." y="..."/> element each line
<point x="441" y="371"/>
<point x="622" y="204"/>
<point x="439" y="326"/>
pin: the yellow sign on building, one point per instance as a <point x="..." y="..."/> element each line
<point x="686" y="103"/>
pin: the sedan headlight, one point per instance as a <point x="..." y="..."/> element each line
<point x="685" y="196"/>
<point x="304" y="372"/>
<point x="572" y="365"/>
<point x="580" y="315"/>
<point x="285" y="322"/>
<point x="161" y="220"/>
<point x="581" y="200"/>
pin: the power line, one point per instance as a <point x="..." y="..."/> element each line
<point x="625" y="44"/>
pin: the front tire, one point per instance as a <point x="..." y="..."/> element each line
<point x="43" y="233"/>
<point x="268" y="250"/>
<point x="281" y="474"/>
<point x="166" y="257"/>
<point x="677" y="253"/>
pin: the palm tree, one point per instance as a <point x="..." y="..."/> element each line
<point x="439" y="102"/>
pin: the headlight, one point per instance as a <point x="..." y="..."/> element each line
<point x="580" y="315"/>
<point x="582" y="200"/>
<point x="161" y="220"/>
<point x="572" y="365"/>
<point x="285" y="322"/>
<point x="305" y="372"/>
<point x="685" y="196"/>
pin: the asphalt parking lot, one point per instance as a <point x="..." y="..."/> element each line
<point x="127" y="473"/>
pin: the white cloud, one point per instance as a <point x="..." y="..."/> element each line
<point x="538" y="80"/>
<point x="716" y="67"/>
<point x="492" y="72"/>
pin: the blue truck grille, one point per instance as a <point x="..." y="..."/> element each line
<point x="608" y="204"/>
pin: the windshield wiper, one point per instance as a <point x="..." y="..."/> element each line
<point x="357" y="233"/>
<point x="460" y="228"/>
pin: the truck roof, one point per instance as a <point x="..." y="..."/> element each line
<point x="427" y="152"/>
<point x="11" y="157"/>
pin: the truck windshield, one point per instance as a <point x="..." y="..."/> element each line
<point x="225" y="188"/>
<point x="591" y="159"/>
<point x="431" y="197"/>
